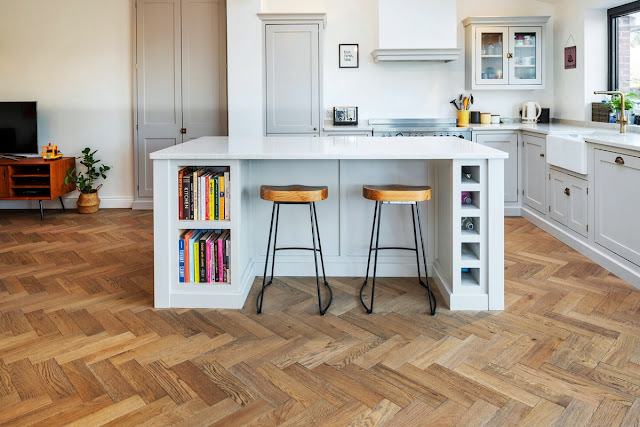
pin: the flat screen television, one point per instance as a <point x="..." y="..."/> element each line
<point x="18" y="128"/>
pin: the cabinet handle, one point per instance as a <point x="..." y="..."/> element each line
<point x="567" y="191"/>
<point x="509" y="55"/>
<point x="620" y="160"/>
<point x="315" y="128"/>
<point x="541" y="154"/>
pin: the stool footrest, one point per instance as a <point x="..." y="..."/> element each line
<point x="394" y="249"/>
<point x="297" y="249"/>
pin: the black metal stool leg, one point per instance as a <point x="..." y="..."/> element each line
<point x="366" y="278"/>
<point x="260" y="297"/>
<point x="314" y="228"/>
<point x="41" y="211"/>
<point x="375" y="264"/>
<point x="432" y="297"/>
<point x="275" y="244"/>
<point x="62" y="203"/>
<point x="324" y="274"/>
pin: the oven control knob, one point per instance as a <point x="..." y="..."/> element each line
<point x="399" y="134"/>
<point x="461" y="136"/>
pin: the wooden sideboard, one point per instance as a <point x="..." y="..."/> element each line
<point x="35" y="179"/>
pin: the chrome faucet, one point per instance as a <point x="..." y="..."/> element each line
<point x="623" y="118"/>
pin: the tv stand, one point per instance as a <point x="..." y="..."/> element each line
<point x="33" y="178"/>
<point x="12" y="157"/>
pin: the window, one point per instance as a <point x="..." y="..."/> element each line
<point x="624" y="48"/>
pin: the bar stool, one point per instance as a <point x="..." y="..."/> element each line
<point x="294" y="195"/>
<point x="397" y="194"/>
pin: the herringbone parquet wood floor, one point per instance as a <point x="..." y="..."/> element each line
<point x="81" y="344"/>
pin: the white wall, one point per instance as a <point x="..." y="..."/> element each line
<point x="421" y="89"/>
<point x="75" y="58"/>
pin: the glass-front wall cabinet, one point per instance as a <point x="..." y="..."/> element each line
<point x="508" y="56"/>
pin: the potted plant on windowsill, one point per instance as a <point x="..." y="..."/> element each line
<point x="615" y="104"/>
<point x="88" y="202"/>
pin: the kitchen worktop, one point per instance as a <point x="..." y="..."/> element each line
<point x="328" y="148"/>
<point x="594" y="135"/>
<point x="330" y="127"/>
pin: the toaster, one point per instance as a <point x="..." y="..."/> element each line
<point x="345" y="116"/>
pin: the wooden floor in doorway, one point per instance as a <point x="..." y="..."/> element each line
<point x="80" y="341"/>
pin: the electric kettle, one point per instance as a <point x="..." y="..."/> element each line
<point x="531" y="112"/>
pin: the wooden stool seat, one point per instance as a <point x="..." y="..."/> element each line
<point x="293" y="193"/>
<point x="397" y="193"/>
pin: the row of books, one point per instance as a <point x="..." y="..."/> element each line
<point x="204" y="256"/>
<point x="204" y="194"/>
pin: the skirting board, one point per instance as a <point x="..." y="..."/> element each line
<point x="143" y="205"/>
<point x="598" y="256"/>
<point x="69" y="203"/>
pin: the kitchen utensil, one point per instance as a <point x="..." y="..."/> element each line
<point x="471" y="98"/>
<point x="531" y="112"/>
<point x="465" y="103"/>
<point x="455" y="104"/>
<point x="495" y="119"/>
<point x="463" y="117"/>
<point x="460" y="100"/>
<point x="475" y="117"/>
<point x="485" y="118"/>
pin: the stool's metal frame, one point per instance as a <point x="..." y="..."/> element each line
<point x="377" y="213"/>
<point x="314" y="232"/>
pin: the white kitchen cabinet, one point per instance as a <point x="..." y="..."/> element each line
<point x="504" y="52"/>
<point x="180" y="79"/>
<point x="534" y="173"/>
<point x="360" y="133"/>
<point x="507" y="142"/>
<point x="568" y="201"/>
<point x="617" y="204"/>
<point x="292" y="75"/>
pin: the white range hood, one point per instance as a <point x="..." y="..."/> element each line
<point x="416" y="30"/>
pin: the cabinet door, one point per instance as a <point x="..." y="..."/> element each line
<point x="204" y="76"/>
<point x="507" y="142"/>
<point x="491" y="47"/>
<point x="159" y="87"/>
<point x="292" y="79"/>
<point x="525" y="48"/>
<point x="364" y="133"/>
<point x="4" y="182"/>
<point x="535" y="173"/>
<point x="578" y="218"/>
<point x="559" y="197"/>
<point x="617" y="203"/>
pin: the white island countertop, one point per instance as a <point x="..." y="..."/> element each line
<point x="328" y="148"/>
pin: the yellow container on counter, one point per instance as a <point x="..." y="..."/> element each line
<point x="463" y="117"/>
<point x="485" y="118"/>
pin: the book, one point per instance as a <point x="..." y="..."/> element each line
<point x="209" y="254"/>
<point x="216" y="192"/>
<point x="195" y="193"/>
<point x="220" y="259"/>
<point x="193" y="255"/>
<point x="181" y="257"/>
<point x="207" y="198"/>
<point x="227" y="195"/>
<point x="186" y="197"/>
<point x="221" y="195"/>
<point x="203" y="257"/>
<point x="187" y="236"/>
<point x="180" y="210"/>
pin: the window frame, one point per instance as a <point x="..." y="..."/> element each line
<point x="612" y="14"/>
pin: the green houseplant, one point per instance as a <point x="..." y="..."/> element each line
<point x="88" y="202"/>
<point x="615" y="104"/>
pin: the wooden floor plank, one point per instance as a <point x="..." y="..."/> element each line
<point x="80" y="341"/>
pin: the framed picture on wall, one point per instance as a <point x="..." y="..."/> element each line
<point x="349" y="56"/>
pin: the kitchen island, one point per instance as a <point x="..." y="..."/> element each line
<point x="467" y="265"/>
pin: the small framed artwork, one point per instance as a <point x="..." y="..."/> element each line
<point x="349" y="56"/>
<point x="569" y="57"/>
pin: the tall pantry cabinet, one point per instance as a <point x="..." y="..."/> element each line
<point x="293" y="74"/>
<point x="180" y="76"/>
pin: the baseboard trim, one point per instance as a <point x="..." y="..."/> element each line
<point x="69" y="203"/>
<point x="143" y="205"/>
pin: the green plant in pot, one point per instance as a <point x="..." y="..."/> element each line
<point x="615" y="104"/>
<point x="88" y="202"/>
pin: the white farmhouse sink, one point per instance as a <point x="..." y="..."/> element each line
<point x="568" y="152"/>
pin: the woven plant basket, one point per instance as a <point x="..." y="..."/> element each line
<point x="89" y="203"/>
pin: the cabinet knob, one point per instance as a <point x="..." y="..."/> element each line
<point x="620" y="160"/>
<point x="567" y="191"/>
<point x="315" y="128"/>
<point x="509" y="55"/>
<point x="541" y="154"/>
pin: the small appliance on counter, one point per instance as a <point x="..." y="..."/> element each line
<point x="345" y="116"/>
<point x="545" y="116"/>
<point x="531" y="112"/>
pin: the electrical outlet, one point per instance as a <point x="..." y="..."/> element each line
<point x="328" y="114"/>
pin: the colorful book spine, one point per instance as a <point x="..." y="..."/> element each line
<point x="191" y="258"/>
<point x="207" y="199"/>
<point x="227" y="196"/>
<point x="181" y="259"/>
<point x="180" y="210"/>
<point x="220" y="261"/>
<point x="195" y="194"/>
<point x="186" y="197"/>
<point x="221" y="195"/>
<point x="203" y="258"/>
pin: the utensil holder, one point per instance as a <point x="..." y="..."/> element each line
<point x="463" y="117"/>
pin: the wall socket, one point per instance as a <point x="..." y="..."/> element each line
<point x="328" y="114"/>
